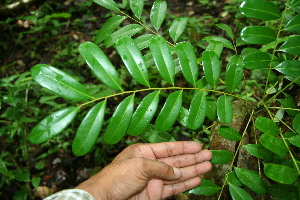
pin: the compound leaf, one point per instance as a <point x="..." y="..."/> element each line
<point x="158" y="13"/>
<point x="281" y="174"/>
<point x="224" y="109"/>
<point x="212" y="67"/>
<point x="177" y="27"/>
<point x="137" y="7"/>
<point x="197" y="111"/>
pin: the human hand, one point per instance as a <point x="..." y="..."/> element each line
<point x="150" y="172"/>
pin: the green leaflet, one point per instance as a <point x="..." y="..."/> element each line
<point x="282" y="191"/>
<point x="177" y="28"/>
<point x="211" y="110"/>
<point x="206" y="188"/>
<point x="267" y="126"/>
<point x="294" y="4"/>
<point x="108" y="27"/>
<point x="133" y="60"/>
<point x="59" y="82"/>
<point x="188" y="61"/>
<point x="226" y="43"/>
<point x="274" y="144"/>
<point x="100" y="65"/>
<point x="260" y="9"/>
<point x="119" y="122"/>
<point x="234" y="77"/>
<point x="126" y="31"/>
<point x="169" y="113"/>
<point x="238" y="193"/>
<point x="232" y="179"/>
<point x="155" y="136"/>
<point x="229" y="133"/>
<point x="212" y="67"/>
<point x="256" y="60"/>
<point x="289" y="68"/>
<point x="293" y="24"/>
<point x="143" y="41"/>
<point x="295" y="140"/>
<point x="217" y="47"/>
<point x="258" y="34"/>
<point x="289" y="102"/>
<point x="221" y="156"/>
<point x="89" y="130"/>
<point x="197" y="111"/>
<point x="292" y="46"/>
<point x="183" y="115"/>
<point x="227" y="29"/>
<point x="52" y="125"/>
<point x="4" y="171"/>
<point x="281" y="174"/>
<point x="158" y="13"/>
<point x="224" y="109"/>
<point x="143" y="114"/>
<point x="109" y="4"/>
<point x="296" y="123"/>
<point x="137" y="7"/>
<point x="163" y="59"/>
<point x="252" y="180"/>
<point x="259" y="151"/>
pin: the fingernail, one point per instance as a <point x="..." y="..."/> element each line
<point x="177" y="172"/>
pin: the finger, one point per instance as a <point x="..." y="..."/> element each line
<point x="188" y="159"/>
<point x="171" y="190"/>
<point x="154" y="188"/>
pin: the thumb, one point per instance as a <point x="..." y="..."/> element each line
<point x="160" y="169"/>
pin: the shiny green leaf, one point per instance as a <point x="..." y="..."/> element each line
<point x="289" y="68"/>
<point x="212" y="67"/>
<point x="221" y="156"/>
<point x="137" y="7"/>
<point x="158" y="13"/>
<point x="226" y="43"/>
<point x="232" y="179"/>
<point x="133" y="60"/>
<point x="217" y="47"/>
<point x="294" y="4"/>
<point x="206" y="188"/>
<point x="211" y="110"/>
<point x="227" y="29"/>
<point x="267" y="126"/>
<point x="238" y="193"/>
<point x="100" y="65"/>
<point x="256" y="60"/>
<point x="108" y="27"/>
<point x="252" y="180"/>
<point x="169" y="113"/>
<point x="52" y="125"/>
<point x="59" y="82"/>
<point x="89" y="130"/>
<point x="188" y="61"/>
<point x="177" y="27"/>
<point x="234" y="77"/>
<point x="260" y="9"/>
<point x="229" y="133"/>
<point x="289" y="102"/>
<point x="291" y="46"/>
<point x="274" y="144"/>
<point x="143" y="41"/>
<point x="144" y="113"/>
<point x="295" y="140"/>
<point x="197" y="111"/>
<point x="119" y="122"/>
<point x="259" y="151"/>
<point x="281" y="174"/>
<point x="163" y="59"/>
<point x="156" y="136"/>
<point x="296" y="123"/>
<point x="224" y="109"/>
<point x="258" y="35"/>
<point x="293" y="24"/>
<point x="183" y="115"/>
<point x="284" y="192"/>
<point x="108" y="4"/>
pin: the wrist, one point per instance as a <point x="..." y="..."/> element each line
<point x="94" y="188"/>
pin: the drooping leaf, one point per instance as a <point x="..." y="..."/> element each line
<point x="212" y="68"/>
<point x="238" y="193"/>
<point x="89" y="130"/>
<point x="119" y="122"/>
<point x="158" y="13"/>
<point x="273" y="144"/>
<point x="108" y="27"/>
<point x="293" y="24"/>
<point x="163" y="59"/>
<point x="183" y="115"/>
<point x="280" y="173"/>
<point x="100" y="65"/>
<point x="143" y="41"/>
<point x="289" y="68"/>
<point x="211" y="110"/>
<point x="289" y="102"/>
<point x="177" y="28"/>
<point x="188" y="61"/>
<point x="252" y="180"/>
<point x="197" y="111"/>
<point x="169" y="113"/>
<point x="295" y="140"/>
<point x="258" y="34"/>
<point x="221" y="156"/>
<point x="206" y="187"/>
<point x="259" y="151"/>
<point x="260" y="9"/>
<point x="59" y="82"/>
<point x="234" y="77"/>
<point x="156" y="136"/>
<point x="229" y="133"/>
<point x="294" y="4"/>
<point x="137" y="7"/>
<point x="227" y="29"/>
<point x="126" y="31"/>
<point x="52" y="125"/>
<point x="296" y="123"/>
<point x="144" y="113"/>
<point x="224" y="109"/>
<point x="267" y="126"/>
<point x="133" y="60"/>
<point x="108" y="4"/>
<point x="256" y="60"/>
<point x="291" y="46"/>
<point x="226" y="43"/>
